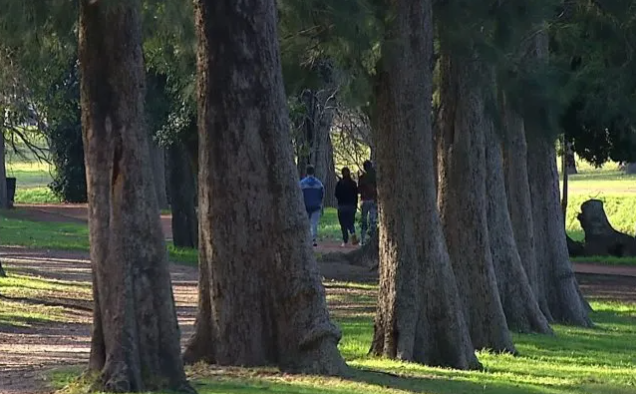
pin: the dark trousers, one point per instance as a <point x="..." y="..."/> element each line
<point x="347" y="219"/>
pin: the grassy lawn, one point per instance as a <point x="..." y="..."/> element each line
<point x="62" y="236"/>
<point x="617" y="190"/>
<point x="576" y="361"/>
<point x="15" y="231"/>
<point x="40" y="293"/>
<point x="32" y="180"/>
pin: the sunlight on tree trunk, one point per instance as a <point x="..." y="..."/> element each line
<point x="462" y="197"/>
<point x="517" y="298"/>
<point x="261" y="298"/>
<point x="419" y="316"/>
<point x="135" y="338"/>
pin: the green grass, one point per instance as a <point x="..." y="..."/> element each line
<point x="15" y="231"/>
<point x="32" y="181"/>
<point x="35" y="195"/>
<point x="17" y="289"/>
<point x="575" y="361"/>
<point x="15" y="315"/>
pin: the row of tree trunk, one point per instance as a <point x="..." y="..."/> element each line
<point x="493" y="256"/>
<point x="261" y="298"/>
<point x="451" y="278"/>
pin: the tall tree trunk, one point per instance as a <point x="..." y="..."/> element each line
<point x="266" y="302"/>
<point x="462" y="197"/>
<point x="569" y="159"/>
<point x="419" y="316"/>
<point x="566" y="175"/>
<point x="4" y="196"/>
<point x="182" y="196"/>
<point x="158" y="162"/>
<point x="135" y="341"/>
<point x="560" y="296"/>
<point x="555" y="274"/>
<point x="518" y="192"/>
<point x="329" y="177"/>
<point x="517" y="298"/>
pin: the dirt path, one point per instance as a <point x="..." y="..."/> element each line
<point x="65" y="213"/>
<point x="71" y="213"/>
<point x="30" y="351"/>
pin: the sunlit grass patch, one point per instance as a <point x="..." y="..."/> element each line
<point x="575" y="361"/>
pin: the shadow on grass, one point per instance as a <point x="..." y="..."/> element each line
<point x="20" y="320"/>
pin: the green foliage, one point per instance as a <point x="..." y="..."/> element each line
<point x="65" y="137"/>
<point x="344" y="34"/>
<point x="595" y="45"/>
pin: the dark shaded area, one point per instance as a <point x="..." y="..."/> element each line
<point x="601" y="239"/>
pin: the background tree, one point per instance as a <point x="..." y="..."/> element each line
<point x="558" y="291"/>
<point x="64" y="135"/>
<point x="135" y="341"/>
<point x="592" y="44"/>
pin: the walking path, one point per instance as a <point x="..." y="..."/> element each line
<point x="79" y="213"/>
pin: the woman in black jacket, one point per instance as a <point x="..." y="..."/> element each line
<point x="347" y="196"/>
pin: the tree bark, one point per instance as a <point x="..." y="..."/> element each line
<point x="158" y="159"/>
<point x="4" y="196"/>
<point x="566" y="175"/>
<point x="419" y="315"/>
<point x="517" y="298"/>
<point x="462" y="197"/>
<point x="560" y="297"/>
<point x="558" y="284"/>
<point x="515" y="155"/>
<point x="182" y="197"/>
<point x="266" y="302"/>
<point x="569" y="159"/>
<point x="135" y="340"/>
<point x="330" y="179"/>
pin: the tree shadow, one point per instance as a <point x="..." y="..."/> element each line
<point x="439" y="384"/>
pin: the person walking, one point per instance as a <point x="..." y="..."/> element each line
<point x="368" y="193"/>
<point x="347" y="196"/>
<point x="313" y="195"/>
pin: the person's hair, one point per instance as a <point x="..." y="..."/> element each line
<point x="346" y="173"/>
<point x="310" y="170"/>
<point x="367" y="165"/>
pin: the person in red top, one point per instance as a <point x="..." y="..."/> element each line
<point x="368" y="194"/>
